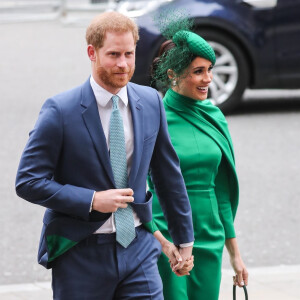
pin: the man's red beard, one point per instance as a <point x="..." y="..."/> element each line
<point x="111" y="79"/>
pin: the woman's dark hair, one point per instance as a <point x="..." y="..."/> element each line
<point x="164" y="48"/>
<point x="171" y="57"/>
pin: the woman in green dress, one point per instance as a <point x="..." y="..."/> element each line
<point x="200" y="136"/>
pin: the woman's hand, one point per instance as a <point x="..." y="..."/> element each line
<point x="178" y="266"/>
<point x="240" y="270"/>
<point x="237" y="263"/>
<point x="187" y="267"/>
<point x="168" y="248"/>
<point x="186" y="263"/>
<point x="172" y="252"/>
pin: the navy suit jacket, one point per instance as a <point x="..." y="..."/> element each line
<point x="66" y="159"/>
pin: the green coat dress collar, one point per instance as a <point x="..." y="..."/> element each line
<point x="209" y="119"/>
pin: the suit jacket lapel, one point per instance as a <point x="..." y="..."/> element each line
<point x="92" y="121"/>
<point x="138" y="130"/>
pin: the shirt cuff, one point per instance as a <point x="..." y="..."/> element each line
<point x="186" y="245"/>
<point x="91" y="207"/>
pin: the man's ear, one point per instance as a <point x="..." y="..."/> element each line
<point x="91" y="51"/>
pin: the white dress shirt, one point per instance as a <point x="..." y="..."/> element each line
<point x="104" y="102"/>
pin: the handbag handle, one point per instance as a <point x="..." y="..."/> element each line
<point x="245" y="292"/>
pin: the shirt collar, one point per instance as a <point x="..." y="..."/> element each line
<point x="103" y="96"/>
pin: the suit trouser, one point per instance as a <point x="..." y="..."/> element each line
<point x="99" y="268"/>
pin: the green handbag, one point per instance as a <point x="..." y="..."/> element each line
<point x="245" y="292"/>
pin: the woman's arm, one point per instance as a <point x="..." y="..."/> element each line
<point x="237" y="263"/>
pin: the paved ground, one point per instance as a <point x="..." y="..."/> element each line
<point x="272" y="283"/>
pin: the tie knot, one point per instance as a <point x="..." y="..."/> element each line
<point x="115" y="100"/>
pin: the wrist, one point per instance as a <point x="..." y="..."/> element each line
<point x="234" y="256"/>
<point x="96" y="201"/>
<point x="187" y="251"/>
<point x="158" y="235"/>
<point x="232" y="248"/>
<point x="165" y="243"/>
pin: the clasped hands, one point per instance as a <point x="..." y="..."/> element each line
<point x="181" y="259"/>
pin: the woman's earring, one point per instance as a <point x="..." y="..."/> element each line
<point x="173" y="82"/>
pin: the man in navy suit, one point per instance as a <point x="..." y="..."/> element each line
<point x="66" y="168"/>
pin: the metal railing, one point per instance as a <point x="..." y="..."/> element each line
<point x="23" y="10"/>
<point x="31" y="10"/>
<point x="92" y="5"/>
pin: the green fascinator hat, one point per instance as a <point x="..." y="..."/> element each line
<point x="196" y="44"/>
<point x="181" y="47"/>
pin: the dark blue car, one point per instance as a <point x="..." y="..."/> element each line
<point x="257" y="43"/>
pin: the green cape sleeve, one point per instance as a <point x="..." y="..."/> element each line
<point x="223" y="193"/>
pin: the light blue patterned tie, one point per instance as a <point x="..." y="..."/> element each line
<point x="125" y="229"/>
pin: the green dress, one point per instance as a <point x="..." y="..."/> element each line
<point x="199" y="134"/>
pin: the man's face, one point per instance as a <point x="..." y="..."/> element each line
<point x="114" y="63"/>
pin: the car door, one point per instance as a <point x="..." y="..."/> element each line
<point x="287" y="18"/>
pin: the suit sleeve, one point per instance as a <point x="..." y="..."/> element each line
<point x="169" y="185"/>
<point x="34" y="181"/>
<point x="151" y="226"/>
<point x="224" y="202"/>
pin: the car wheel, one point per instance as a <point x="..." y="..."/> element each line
<point x="230" y="73"/>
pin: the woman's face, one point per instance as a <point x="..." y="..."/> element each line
<point x="194" y="82"/>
